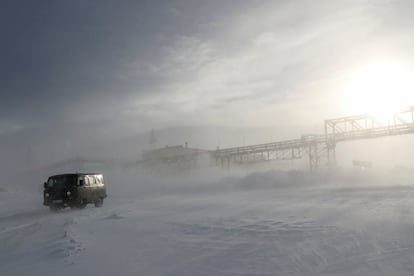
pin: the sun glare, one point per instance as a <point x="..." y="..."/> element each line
<point x="380" y="89"/>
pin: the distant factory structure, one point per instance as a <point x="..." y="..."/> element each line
<point x="177" y="154"/>
<point x="318" y="149"/>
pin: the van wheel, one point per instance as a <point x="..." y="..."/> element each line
<point x="99" y="202"/>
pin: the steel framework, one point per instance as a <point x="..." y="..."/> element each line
<point x="320" y="149"/>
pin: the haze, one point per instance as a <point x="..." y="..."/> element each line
<point x="121" y="69"/>
<point x="87" y="82"/>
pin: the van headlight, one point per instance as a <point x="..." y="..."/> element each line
<point x="68" y="193"/>
<point x="46" y="194"/>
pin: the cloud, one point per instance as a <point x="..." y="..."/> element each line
<point x="233" y="63"/>
<point x="176" y="12"/>
<point x="279" y="63"/>
<point x="186" y="55"/>
<point x="8" y="127"/>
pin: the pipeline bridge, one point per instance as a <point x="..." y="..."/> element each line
<point x="320" y="149"/>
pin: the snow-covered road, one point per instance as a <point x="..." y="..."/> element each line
<point x="263" y="229"/>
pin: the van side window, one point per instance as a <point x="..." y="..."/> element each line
<point x="50" y="183"/>
<point x="90" y="180"/>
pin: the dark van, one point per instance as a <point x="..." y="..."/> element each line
<point x="74" y="190"/>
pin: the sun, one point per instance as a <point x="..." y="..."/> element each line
<point x="379" y="88"/>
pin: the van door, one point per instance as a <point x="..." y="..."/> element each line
<point x="100" y="187"/>
<point x="82" y="188"/>
<point x="94" y="192"/>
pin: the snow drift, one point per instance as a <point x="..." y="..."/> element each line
<point x="213" y="222"/>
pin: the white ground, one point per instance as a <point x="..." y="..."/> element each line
<point x="268" y="223"/>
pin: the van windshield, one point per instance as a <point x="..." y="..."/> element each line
<point x="58" y="182"/>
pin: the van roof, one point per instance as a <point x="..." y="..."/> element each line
<point x="74" y="174"/>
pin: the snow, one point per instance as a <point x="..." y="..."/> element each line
<point x="217" y="223"/>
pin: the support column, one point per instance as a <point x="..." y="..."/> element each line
<point x="331" y="155"/>
<point x="313" y="157"/>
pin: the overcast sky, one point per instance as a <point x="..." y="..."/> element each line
<point x="156" y="64"/>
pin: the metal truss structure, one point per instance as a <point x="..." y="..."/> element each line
<point x="320" y="149"/>
<point x="283" y="150"/>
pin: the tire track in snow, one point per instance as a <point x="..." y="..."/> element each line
<point x="39" y="237"/>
